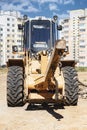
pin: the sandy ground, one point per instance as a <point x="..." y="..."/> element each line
<point x="42" y="118"/>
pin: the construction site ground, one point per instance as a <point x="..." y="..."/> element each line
<point x="40" y="117"/>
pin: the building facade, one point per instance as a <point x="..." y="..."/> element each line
<point x="75" y="33"/>
<point x="9" y="34"/>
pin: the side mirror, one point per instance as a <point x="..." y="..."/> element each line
<point x="14" y="49"/>
<point x="55" y="17"/>
<point x="59" y="27"/>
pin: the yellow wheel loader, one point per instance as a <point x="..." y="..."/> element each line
<point x="41" y="75"/>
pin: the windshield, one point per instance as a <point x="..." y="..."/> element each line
<point x="40" y="35"/>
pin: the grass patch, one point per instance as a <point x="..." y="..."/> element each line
<point x="81" y="69"/>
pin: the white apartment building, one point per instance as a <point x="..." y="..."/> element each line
<point x="75" y="33"/>
<point x="9" y="34"/>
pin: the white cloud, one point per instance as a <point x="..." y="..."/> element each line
<point x="48" y="1"/>
<point x="28" y="6"/>
<point x="45" y="1"/>
<point x="53" y="7"/>
<point x="54" y="1"/>
<point x="68" y="1"/>
<point x="19" y="7"/>
<point x="61" y="16"/>
<point x="68" y="11"/>
<point x="32" y="9"/>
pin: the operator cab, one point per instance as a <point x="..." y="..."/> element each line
<point x="40" y="34"/>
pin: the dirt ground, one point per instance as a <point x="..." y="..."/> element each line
<point x="42" y="118"/>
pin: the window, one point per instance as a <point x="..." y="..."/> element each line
<point x="82" y="57"/>
<point x="8" y="24"/>
<point x="8" y="35"/>
<point x="13" y="25"/>
<point x="82" y="26"/>
<point x="1" y="34"/>
<point x="7" y="56"/>
<point x="19" y="35"/>
<point x="1" y="50"/>
<point x="20" y="46"/>
<point x="1" y="40"/>
<point x="82" y="30"/>
<point x="81" y="18"/>
<point x="12" y="40"/>
<point x="8" y="19"/>
<point x="12" y="56"/>
<point x="1" y="45"/>
<point x="66" y="26"/>
<point x="8" y="40"/>
<point x="12" y="19"/>
<point x="67" y="42"/>
<point x="82" y="46"/>
<point x="18" y="40"/>
<point x="12" y="30"/>
<point x="8" y="30"/>
<point x="66" y="37"/>
<point x="82" y="42"/>
<point x="8" y="51"/>
<point x="66" y="20"/>
<point x="8" y="46"/>
<point x="1" y="55"/>
<point x="66" y="32"/>
<point x="82" y="51"/>
<point x="19" y="30"/>
<point x="1" y="29"/>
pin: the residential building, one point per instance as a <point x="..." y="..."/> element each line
<point x="9" y="34"/>
<point x="75" y="33"/>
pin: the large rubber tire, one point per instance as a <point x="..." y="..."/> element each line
<point x="15" y="86"/>
<point x="71" y="85"/>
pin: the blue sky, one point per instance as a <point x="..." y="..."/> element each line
<point x="46" y="8"/>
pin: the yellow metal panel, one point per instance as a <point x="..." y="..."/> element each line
<point x="44" y="60"/>
<point x="60" y="78"/>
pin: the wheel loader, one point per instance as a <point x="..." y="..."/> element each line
<point x="41" y="75"/>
